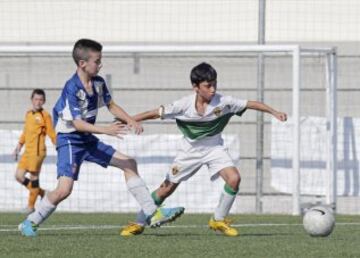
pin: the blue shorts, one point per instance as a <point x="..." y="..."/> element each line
<point x="71" y="156"/>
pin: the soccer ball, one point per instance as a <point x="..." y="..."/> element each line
<point x="319" y="221"/>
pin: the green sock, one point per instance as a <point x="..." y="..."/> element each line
<point x="157" y="200"/>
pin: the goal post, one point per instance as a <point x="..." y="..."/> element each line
<point x="331" y="83"/>
<point x="295" y="52"/>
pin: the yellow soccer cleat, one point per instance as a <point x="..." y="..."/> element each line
<point x="223" y="226"/>
<point x="132" y="229"/>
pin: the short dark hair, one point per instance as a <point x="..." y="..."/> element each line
<point x="202" y="72"/>
<point x="82" y="47"/>
<point x="38" y="92"/>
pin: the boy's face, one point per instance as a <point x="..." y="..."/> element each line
<point x="93" y="64"/>
<point x="37" y="102"/>
<point x="206" y="89"/>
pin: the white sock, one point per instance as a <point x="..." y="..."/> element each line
<point x="43" y="211"/>
<point x="141" y="218"/>
<point x="226" y="201"/>
<point x="138" y="189"/>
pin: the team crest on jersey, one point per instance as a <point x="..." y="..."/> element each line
<point x="81" y="95"/>
<point x="175" y="169"/>
<point x="38" y="119"/>
<point x="217" y="111"/>
<point x="83" y="102"/>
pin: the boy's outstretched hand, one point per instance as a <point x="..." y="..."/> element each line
<point x="16" y="153"/>
<point x="134" y="126"/>
<point x="137" y="127"/>
<point x="117" y="129"/>
<point x="280" y="116"/>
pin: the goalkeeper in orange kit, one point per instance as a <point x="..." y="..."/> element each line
<point x="38" y="124"/>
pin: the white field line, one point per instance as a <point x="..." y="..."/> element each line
<point x="13" y="228"/>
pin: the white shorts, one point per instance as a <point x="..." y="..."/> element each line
<point x="190" y="159"/>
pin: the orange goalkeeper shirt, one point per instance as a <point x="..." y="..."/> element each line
<point x="38" y="124"/>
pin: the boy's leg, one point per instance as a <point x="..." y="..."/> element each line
<point x="31" y="164"/>
<point x="105" y="155"/>
<point x="135" y="184"/>
<point x="47" y="206"/>
<point x="35" y="165"/>
<point x="32" y="184"/>
<point x="232" y="180"/>
<point x="164" y="191"/>
<point x="68" y="165"/>
<point x="154" y="216"/>
<point x="21" y="171"/>
<point x="52" y="199"/>
<point x="185" y="165"/>
<point x="34" y="189"/>
<point x="22" y="179"/>
<point x="158" y="196"/>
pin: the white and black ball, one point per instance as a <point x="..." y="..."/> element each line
<point x="319" y="221"/>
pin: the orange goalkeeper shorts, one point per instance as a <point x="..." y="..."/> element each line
<point x="31" y="163"/>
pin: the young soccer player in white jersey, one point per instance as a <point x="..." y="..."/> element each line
<point x="75" y="115"/>
<point x="201" y="117"/>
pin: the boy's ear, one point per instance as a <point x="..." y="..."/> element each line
<point x="196" y="87"/>
<point x="82" y="63"/>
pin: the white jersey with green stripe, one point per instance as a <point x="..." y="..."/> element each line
<point x="206" y="127"/>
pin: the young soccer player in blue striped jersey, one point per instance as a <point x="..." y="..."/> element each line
<point x="75" y="115"/>
<point x="201" y="118"/>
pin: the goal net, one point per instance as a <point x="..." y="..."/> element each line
<point x="299" y="155"/>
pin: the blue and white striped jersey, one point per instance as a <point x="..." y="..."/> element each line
<point x="76" y="103"/>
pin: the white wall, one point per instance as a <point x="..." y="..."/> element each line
<point x="177" y="20"/>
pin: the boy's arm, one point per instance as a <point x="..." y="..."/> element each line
<point x="50" y="129"/>
<point x="116" y="129"/>
<point x="256" y="105"/>
<point x="22" y="138"/>
<point x="120" y="114"/>
<point x="75" y="116"/>
<point x="17" y="150"/>
<point x="20" y="144"/>
<point x="152" y="114"/>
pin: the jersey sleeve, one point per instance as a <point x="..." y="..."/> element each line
<point x="170" y="111"/>
<point x="104" y="96"/>
<point x="237" y="106"/>
<point x="50" y="129"/>
<point x="22" y="136"/>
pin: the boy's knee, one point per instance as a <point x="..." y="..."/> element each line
<point x="126" y="164"/>
<point x="19" y="178"/>
<point x="132" y="163"/>
<point x="234" y="181"/>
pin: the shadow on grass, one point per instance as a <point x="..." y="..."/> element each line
<point x="147" y="233"/>
<point x="266" y="234"/>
